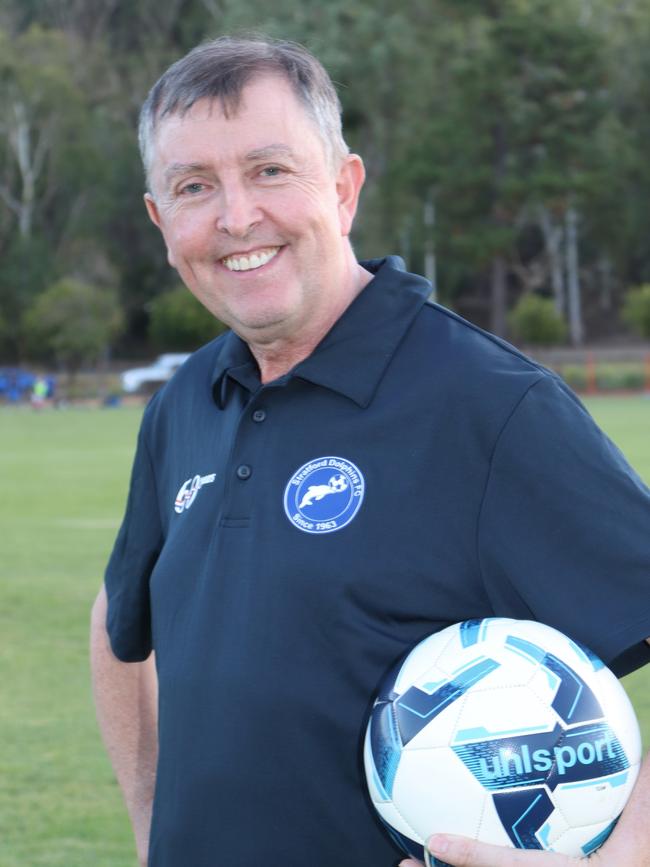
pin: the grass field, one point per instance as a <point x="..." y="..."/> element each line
<point x="64" y="477"/>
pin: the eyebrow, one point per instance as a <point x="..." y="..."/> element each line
<point x="183" y="168"/>
<point x="268" y="151"/>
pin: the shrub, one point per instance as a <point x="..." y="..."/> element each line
<point x="179" y="323"/>
<point x="535" y="321"/>
<point x="636" y="310"/>
<point x="575" y="376"/>
<point x="616" y="377"/>
<point x="609" y="377"/>
<point x="72" y="322"/>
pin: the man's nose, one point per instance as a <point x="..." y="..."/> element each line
<point x="239" y="212"/>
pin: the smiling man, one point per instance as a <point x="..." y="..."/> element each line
<point x="348" y="469"/>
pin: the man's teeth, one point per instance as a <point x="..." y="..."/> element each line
<point x="248" y="263"/>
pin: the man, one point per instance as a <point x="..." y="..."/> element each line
<point x="346" y="471"/>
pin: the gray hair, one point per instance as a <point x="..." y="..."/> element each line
<point x="221" y="68"/>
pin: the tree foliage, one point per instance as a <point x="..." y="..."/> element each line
<point x="72" y="323"/>
<point x="178" y="322"/>
<point x="510" y="122"/>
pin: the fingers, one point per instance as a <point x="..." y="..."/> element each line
<point x="462" y="852"/>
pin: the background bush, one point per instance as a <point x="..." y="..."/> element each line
<point x="536" y="322"/>
<point x="609" y="377"/>
<point x="636" y="310"/>
<point x="72" y="323"/>
<point x="178" y="322"/>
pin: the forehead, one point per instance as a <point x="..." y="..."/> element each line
<point x="268" y="113"/>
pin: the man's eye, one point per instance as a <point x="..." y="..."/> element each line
<point x="272" y="171"/>
<point x="192" y="188"/>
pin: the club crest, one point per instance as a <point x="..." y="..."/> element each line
<point x="324" y="495"/>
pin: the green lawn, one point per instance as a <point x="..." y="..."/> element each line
<point x="64" y="477"/>
<point x="627" y="421"/>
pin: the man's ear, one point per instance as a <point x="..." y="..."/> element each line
<point x="349" y="180"/>
<point x="154" y="216"/>
<point x="152" y="209"/>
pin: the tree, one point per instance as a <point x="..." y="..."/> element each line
<point x="45" y="163"/>
<point x="72" y="323"/>
<point x="41" y="109"/>
<point x="511" y="121"/>
<point x="512" y="133"/>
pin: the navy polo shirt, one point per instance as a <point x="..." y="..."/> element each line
<point x="285" y="543"/>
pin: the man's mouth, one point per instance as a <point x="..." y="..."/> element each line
<point x="250" y="261"/>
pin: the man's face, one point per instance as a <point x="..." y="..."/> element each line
<point x="254" y="216"/>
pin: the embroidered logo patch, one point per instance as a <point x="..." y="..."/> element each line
<point x="324" y="495"/>
<point x="188" y="491"/>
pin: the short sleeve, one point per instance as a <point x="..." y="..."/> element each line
<point x="134" y="555"/>
<point x="564" y="528"/>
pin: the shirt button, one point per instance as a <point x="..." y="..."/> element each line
<point x="259" y="415"/>
<point x="244" y="472"/>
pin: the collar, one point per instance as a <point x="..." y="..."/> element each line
<point x="353" y="356"/>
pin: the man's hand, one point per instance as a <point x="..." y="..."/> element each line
<point x="462" y="852"/>
<point x="126" y="703"/>
<point x="628" y="845"/>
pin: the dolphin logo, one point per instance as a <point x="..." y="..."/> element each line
<point x="308" y="500"/>
<point x="336" y="485"/>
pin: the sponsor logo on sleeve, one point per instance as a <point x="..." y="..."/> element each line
<point x="188" y="491"/>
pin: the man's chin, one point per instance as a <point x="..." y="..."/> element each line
<point x="262" y="329"/>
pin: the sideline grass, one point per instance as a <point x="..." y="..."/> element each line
<point x="64" y="480"/>
<point x="627" y="421"/>
<point x="64" y="476"/>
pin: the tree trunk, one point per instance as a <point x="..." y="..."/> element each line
<point x="498" y="276"/>
<point x="498" y="295"/>
<point x="405" y="244"/>
<point x="429" y="244"/>
<point x="606" y="275"/>
<point x="576" y="330"/>
<point x="20" y="140"/>
<point x="553" y="242"/>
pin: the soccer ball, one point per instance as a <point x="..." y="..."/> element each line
<point x="505" y="731"/>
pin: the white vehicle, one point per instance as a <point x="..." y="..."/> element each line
<point x="155" y="374"/>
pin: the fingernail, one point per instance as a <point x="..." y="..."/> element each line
<point x="438" y="844"/>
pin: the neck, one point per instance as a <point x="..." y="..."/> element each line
<point x="279" y="356"/>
